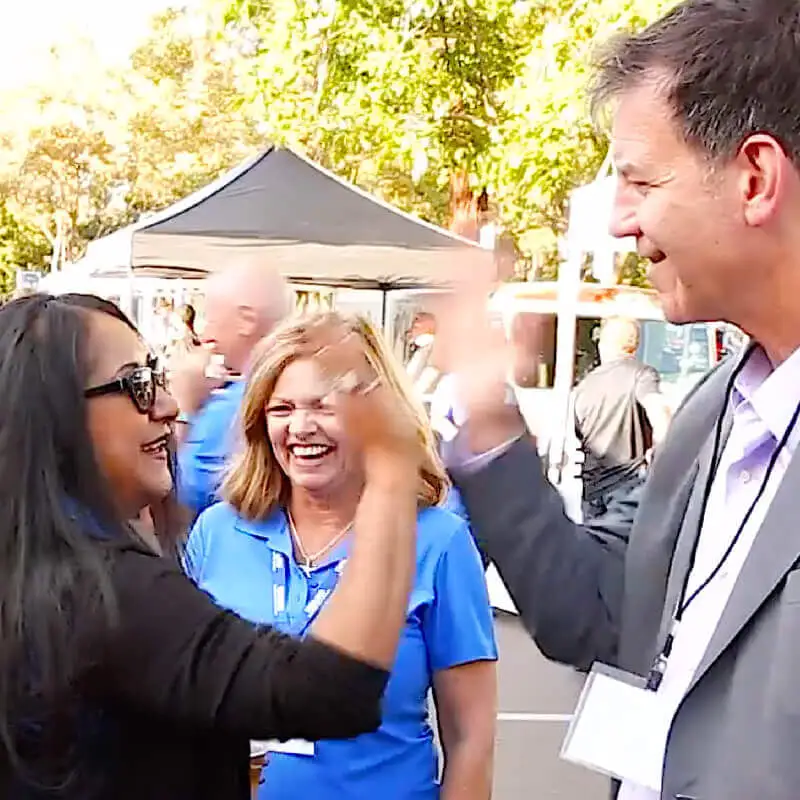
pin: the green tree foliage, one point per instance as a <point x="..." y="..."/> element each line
<point x="94" y="149"/>
<point x="57" y="164"/>
<point x="424" y="102"/>
<point x="399" y="97"/>
<point x="20" y="247"/>
<point x="187" y="120"/>
<point x="548" y="145"/>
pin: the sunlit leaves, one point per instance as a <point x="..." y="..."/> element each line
<point x="410" y="99"/>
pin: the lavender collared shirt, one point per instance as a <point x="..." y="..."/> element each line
<point x="763" y="402"/>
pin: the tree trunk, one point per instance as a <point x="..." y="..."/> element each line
<point x="463" y="206"/>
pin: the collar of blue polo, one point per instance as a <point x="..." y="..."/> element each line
<point x="274" y="530"/>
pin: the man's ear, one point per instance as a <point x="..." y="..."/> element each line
<point x="764" y="167"/>
<point x="247" y="321"/>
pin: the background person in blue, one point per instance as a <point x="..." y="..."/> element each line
<point x="275" y="549"/>
<point x="243" y="304"/>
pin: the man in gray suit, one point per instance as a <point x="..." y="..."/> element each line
<point x="692" y="582"/>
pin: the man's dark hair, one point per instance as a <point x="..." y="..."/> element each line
<point x="731" y="69"/>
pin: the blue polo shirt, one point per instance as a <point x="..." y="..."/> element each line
<point x="207" y="446"/>
<point x="249" y="568"/>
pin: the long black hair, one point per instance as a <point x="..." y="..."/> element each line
<point x="57" y="515"/>
<point x="170" y="520"/>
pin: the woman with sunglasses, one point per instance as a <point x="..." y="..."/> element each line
<point x="117" y="676"/>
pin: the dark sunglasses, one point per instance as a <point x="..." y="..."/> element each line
<point x="140" y="385"/>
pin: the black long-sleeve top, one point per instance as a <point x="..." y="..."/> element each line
<point x="179" y="687"/>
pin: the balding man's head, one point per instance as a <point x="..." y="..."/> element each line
<point x="243" y="304"/>
<point x="619" y="338"/>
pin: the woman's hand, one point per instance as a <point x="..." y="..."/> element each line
<point x="381" y="425"/>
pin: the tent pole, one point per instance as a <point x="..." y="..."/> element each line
<point x="384" y="302"/>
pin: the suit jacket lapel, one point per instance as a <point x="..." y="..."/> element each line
<point x="664" y="519"/>
<point x="775" y="551"/>
<point x="647" y="566"/>
<point x="690" y="528"/>
<point x="692" y="521"/>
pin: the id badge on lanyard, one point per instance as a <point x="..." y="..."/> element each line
<point x="619" y="728"/>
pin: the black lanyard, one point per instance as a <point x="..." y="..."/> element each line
<point x="656" y="674"/>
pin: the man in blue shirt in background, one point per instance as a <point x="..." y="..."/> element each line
<point x="243" y="304"/>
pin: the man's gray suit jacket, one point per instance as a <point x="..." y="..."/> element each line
<point x="606" y="592"/>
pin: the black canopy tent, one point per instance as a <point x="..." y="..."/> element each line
<point x="311" y="225"/>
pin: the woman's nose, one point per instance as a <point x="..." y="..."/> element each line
<point x="301" y="421"/>
<point x="165" y="407"/>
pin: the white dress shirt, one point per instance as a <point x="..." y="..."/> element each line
<point x="763" y="402"/>
<point x="446" y="414"/>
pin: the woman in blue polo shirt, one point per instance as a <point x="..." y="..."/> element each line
<point x="274" y="551"/>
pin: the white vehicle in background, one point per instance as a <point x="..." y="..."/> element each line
<point x="680" y="354"/>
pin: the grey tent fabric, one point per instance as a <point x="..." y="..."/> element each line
<point x="311" y="225"/>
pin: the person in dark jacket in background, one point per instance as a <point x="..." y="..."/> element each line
<point x="620" y="414"/>
<point x="117" y="676"/>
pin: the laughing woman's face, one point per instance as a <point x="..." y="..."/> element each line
<point x="306" y="432"/>
<point x="130" y="416"/>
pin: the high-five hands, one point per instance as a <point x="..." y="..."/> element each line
<point x="478" y="352"/>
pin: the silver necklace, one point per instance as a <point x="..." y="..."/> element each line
<point x="309" y="559"/>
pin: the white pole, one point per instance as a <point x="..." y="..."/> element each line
<point x="130" y="287"/>
<point x="569" y="281"/>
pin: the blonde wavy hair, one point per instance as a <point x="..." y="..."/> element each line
<point x="255" y="484"/>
